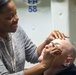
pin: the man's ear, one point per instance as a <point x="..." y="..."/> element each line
<point x="68" y="61"/>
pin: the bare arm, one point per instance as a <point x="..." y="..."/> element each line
<point x="47" y="61"/>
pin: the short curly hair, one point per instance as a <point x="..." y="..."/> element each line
<point x="3" y="3"/>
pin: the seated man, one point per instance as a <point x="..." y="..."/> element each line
<point x="63" y="63"/>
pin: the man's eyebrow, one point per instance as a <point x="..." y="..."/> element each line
<point x="54" y="44"/>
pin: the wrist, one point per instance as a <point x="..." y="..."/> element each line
<point x="48" y="40"/>
<point x="44" y="65"/>
<point x="36" y="70"/>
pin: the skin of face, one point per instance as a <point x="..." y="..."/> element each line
<point x="62" y="45"/>
<point x="8" y="18"/>
<point x="64" y="58"/>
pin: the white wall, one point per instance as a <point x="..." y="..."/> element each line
<point x="50" y="15"/>
<point x="36" y="24"/>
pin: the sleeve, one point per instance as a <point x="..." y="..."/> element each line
<point x="31" y="51"/>
<point x="4" y="71"/>
<point x="30" y="48"/>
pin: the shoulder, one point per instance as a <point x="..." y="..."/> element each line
<point x="72" y="70"/>
<point x="19" y="32"/>
<point x="20" y="29"/>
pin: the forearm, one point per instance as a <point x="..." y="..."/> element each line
<point x="36" y="70"/>
<point x="40" y="48"/>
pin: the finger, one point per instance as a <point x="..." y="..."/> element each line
<point x="63" y="36"/>
<point x="54" y="34"/>
<point x="51" y="48"/>
<point x="43" y="55"/>
<point x="55" y="48"/>
<point x="60" y="35"/>
<point x="67" y="36"/>
<point x="53" y="37"/>
<point x="55" y="52"/>
<point x="43" y="52"/>
<point x="40" y="58"/>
